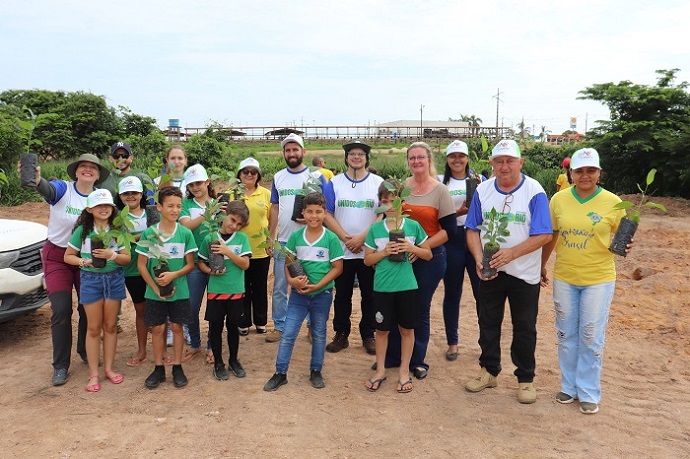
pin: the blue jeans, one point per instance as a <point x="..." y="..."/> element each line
<point x="197" y="282"/>
<point x="459" y="259"/>
<point x="582" y="314"/>
<point x="319" y="306"/>
<point x="279" y="297"/>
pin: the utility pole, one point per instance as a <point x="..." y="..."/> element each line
<point x="421" y="122"/>
<point x="586" y="119"/>
<point x="498" y="99"/>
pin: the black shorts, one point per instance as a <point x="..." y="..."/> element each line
<point x="396" y="308"/>
<point x="217" y="310"/>
<point x="157" y="312"/>
<point x="136" y="286"/>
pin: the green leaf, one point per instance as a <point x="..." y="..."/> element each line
<point x="485" y="144"/>
<point x="650" y="176"/>
<point x="623" y="205"/>
<point x="656" y="206"/>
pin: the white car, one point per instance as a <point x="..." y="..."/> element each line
<point x="21" y="270"/>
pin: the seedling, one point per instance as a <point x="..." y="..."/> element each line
<point x="494" y="229"/>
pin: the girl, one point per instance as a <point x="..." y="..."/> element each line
<point x="175" y="161"/>
<point x="102" y="289"/>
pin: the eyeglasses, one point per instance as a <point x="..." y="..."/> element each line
<point x="356" y="153"/>
<point x="250" y="171"/>
<point x="120" y="155"/>
<point x="417" y="158"/>
<point x="506" y="203"/>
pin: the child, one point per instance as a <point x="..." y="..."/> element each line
<point x="102" y="289"/>
<point x="395" y="289"/>
<point x="225" y="300"/>
<point x="179" y="245"/>
<point x="131" y="192"/>
<point x="321" y="255"/>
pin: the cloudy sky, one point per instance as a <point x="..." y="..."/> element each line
<point x="307" y="62"/>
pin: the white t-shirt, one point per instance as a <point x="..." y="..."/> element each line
<point x="353" y="204"/>
<point x="64" y="212"/>
<point x="286" y="184"/>
<point x="458" y="193"/>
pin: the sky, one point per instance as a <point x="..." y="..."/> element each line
<point x="360" y="62"/>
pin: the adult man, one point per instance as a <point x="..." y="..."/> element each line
<point x="523" y="201"/>
<point x="319" y="162"/>
<point x="351" y="200"/>
<point x="121" y="158"/>
<point x="287" y="183"/>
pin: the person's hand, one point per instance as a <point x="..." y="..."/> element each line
<point x="103" y="253"/>
<point x="308" y="289"/>
<point x="38" y="172"/>
<point x="299" y="282"/>
<point x="221" y="249"/>
<point x="544" y="279"/>
<point x="157" y="291"/>
<point x="355" y="243"/>
<point x="218" y="273"/>
<point x="630" y="246"/>
<point x="479" y="266"/>
<point x="165" y="278"/>
<point x="502" y="258"/>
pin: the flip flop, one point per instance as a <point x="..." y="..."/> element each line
<point x="375" y="384"/>
<point x="189" y="354"/>
<point x="401" y="385"/>
<point x="94" y="387"/>
<point x="115" y="378"/>
<point x="135" y="362"/>
<point x="209" y="357"/>
<point x="451" y="356"/>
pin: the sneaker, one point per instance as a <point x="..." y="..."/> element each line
<point x="169" y="337"/>
<point x="273" y="336"/>
<point x="564" y="398"/>
<point x="261" y="330"/>
<point x="527" y="393"/>
<point x="236" y="369"/>
<point x="316" y="379"/>
<point x="185" y="333"/>
<point x="370" y="345"/>
<point x="59" y="377"/>
<point x="277" y="380"/>
<point x="339" y="342"/>
<point x="179" y="379"/>
<point x="589" y="408"/>
<point x="482" y="381"/>
<point x="220" y="373"/>
<point x="156" y="378"/>
<point x="243" y="331"/>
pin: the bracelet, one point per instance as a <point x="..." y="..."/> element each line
<point x="114" y="256"/>
<point x="81" y="262"/>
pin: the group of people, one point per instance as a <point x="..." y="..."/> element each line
<point x="343" y="239"/>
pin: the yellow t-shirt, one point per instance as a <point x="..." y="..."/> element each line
<point x="585" y="228"/>
<point x="562" y="183"/>
<point x="259" y="204"/>
<point x="327" y="173"/>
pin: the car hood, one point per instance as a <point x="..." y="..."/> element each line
<point x="15" y="234"/>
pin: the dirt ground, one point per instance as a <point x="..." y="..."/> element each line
<point x="646" y="387"/>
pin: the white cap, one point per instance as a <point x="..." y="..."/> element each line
<point x="506" y="147"/>
<point x="249" y="162"/>
<point x="457" y="146"/>
<point x="196" y="173"/>
<point x="292" y="138"/>
<point x="98" y="197"/>
<point x="585" y="157"/>
<point x="130" y="183"/>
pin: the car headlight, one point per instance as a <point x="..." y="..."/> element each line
<point x="7" y="258"/>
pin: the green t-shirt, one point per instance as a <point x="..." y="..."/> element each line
<point x="85" y="251"/>
<point x="112" y="182"/>
<point x="391" y="276"/>
<point x="139" y="227"/>
<point x="177" y="246"/>
<point x="192" y="209"/>
<point x="316" y="257"/>
<point x="232" y="280"/>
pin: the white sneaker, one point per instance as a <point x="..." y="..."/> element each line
<point x="169" y="338"/>
<point x="185" y="333"/>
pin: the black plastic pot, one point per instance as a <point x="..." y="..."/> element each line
<point x="97" y="262"/>
<point x="297" y="208"/>
<point x="29" y="161"/>
<point x="216" y="261"/>
<point x="470" y="188"/>
<point x="223" y="198"/>
<point x="488" y="253"/>
<point x="395" y="235"/>
<point x="296" y="269"/>
<point x="624" y="234"/>
<point x="152" y="215"/>
<point x="168" y="289"/>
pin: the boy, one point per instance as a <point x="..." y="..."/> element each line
<point x="395" y="288"/>
<point x="225" y="299"/>
<point x="321" y="255"/>
<point x="178" y="243"/>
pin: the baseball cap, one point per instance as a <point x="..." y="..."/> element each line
<point x="357" y="144"/>
<point x="98" y="197"/>
<point x="566" y="162"/>
<point x="585" y="157"/>
<point x="249" y="162"/>
<point x="120" y="145"/>
<point x="131" y="183"/>
<point x="457" y="146"/>
<point x="196" y="173"/>
<point x="293" y="138"/>
<point x="506" y="147"/>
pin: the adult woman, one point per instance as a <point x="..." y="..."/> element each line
<point x="584" y="278"/>
<point x="67" y="200"/>
<point x="458" y="257"/>
<point x="564" y="180"/>
<point x="431" y="206"/>
<point x="258" y="200"/>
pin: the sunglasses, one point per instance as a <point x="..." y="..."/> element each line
<point x="250" y="171"/>
<point x="506" y="204"/>
<point x="120" y="155"/>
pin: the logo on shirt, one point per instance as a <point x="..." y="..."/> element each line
<point x="595" y="217"/>
<point x="320" y="254"/>
<point x="351" y="203"/>
<point x="237" y="250"/>
<point x="173" y="250"/>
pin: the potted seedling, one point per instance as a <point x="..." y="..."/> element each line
<point x="118" y="233"/>
<point x="311" y="185"/>
<point x="629" y="223"/>
<point x="400" y="194"/>
<point x="294" y="266"/>
<point x="494" y="229"/>
<point x="155" y="243"/>
<point x="153" y="216"/>
<point x="233" y="191"/>
<point x="28" y="160"/>
<point x="213" y="219"/>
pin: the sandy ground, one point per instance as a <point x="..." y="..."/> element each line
<point x="646" y="385"/>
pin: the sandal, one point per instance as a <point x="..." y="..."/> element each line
<point x="209" y="357"/>
<point x="190" y="353"/>
<point x="135" y="361"/>
<point x="93" y="387"/>
<point x="115" y="378"/>
<point x="374" y="384"/>
<point x="401" y="386"/>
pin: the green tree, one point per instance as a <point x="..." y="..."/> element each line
<point x="134" y="124"/>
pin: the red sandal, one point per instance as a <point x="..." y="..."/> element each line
<point x="93" y="387"/>
<point x="115" y="378"/>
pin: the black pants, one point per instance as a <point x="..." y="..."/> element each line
<point x="215" y="331"/>
<point x="256" y="292"/>
<point x="61" y="329"/>
<point x="342" y="305"/>
<point x="524" y="306"/>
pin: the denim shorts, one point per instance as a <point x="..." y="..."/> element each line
<point x="98" y="286"/>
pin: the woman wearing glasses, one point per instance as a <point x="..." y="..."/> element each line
<point x="258" y="200"/>
<point x="584" y="278"/>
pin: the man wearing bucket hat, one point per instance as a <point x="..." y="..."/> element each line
<point x="523" y="202"/>
<point x="121" y="158"/>
<point x="286" y="184"/>
<point x="351" y="200"/>
<point x="67" y="200"/>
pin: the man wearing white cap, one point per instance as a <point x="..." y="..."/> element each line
<point x="523" y="202"/>
<point x="287" y="183"/>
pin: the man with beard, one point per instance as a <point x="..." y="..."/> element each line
<point x="121" y="158"/>
<point x="287" y="183"/>
<point x="351" y="200"/>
